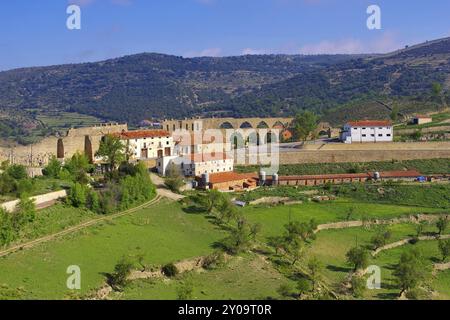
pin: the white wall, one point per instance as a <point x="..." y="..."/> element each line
<point x="40" y="199"/>
<point x="367" y="134"/>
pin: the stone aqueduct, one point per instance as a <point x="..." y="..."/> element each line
<point x="87" y="139"/>
<point x="244" y="127"/>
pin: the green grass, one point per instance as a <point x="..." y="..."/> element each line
<point x="162" y="233"/>
<point x="331" y="246"/>
<point x="244" y="277"/>
<point x="437" y="122"/>
<point x="67" y="119"/>
<point x="427" y="166"/>
<point x="273" y="219"/>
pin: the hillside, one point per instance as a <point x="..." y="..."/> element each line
<point x="143" y="86"/>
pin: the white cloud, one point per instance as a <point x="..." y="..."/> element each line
<point x="250" y="51"/>
<point x="210" y="52"/>
<point x="387" y="42"/>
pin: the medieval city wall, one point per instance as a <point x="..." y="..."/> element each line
<point x="76" y="140"/>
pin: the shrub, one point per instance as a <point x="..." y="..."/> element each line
<point x="77" y="195"/>
<point x="286" y="290"/>
<point x="17" y="171"/>
<point x="214" y="260"/>
<point x="119" y="278"/>
<point x="169" y="270"/>
<point x="53" y="168"/>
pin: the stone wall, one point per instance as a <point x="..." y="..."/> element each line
<point x="397" y="151"/>
<point x="40" y="199"/>
<point x="76" y="140"/>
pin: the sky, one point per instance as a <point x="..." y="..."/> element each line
<point x="34" y="32"/>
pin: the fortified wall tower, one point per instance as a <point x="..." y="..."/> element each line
<point x="85" y="140"/>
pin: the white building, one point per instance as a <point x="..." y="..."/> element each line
<point x="196" y="164"/>
<point x="367" y="131"/>
<point x="148" y="144"/>
<point x="421" y="119"/>
<point x="188" y="143"/>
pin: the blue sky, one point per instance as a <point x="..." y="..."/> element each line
<point x="34" y="33"/>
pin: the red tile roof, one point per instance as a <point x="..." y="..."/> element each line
<point x="400" y="174"/>
<point x="326" y="176"/>
<point x="222" y="177"/>
<point x="139" y="134"/>
<point x="370" y="123"/>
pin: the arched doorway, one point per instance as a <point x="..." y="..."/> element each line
<point x="60" y="149"/>
<point x="237" y="140"/>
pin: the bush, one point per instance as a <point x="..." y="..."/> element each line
<point x="53" y="168"/>
<point x="17" y="171"/>
<point x="169" y="270"/>
<point x="119" y="278"/>
<point x="286" y="290"/>
<point x="77" y="195"/>
<point x="214" y="260"/>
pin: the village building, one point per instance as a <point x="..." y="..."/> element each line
<point x="228" y="181"/>
<point x="188" y="143"/>
<point x="367" y="131"/>
<point x="421" y="119"/>
<point x="147" y="144"/>
<point x="196" y="164"/>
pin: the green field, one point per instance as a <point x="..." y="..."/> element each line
<point x="429" y="166"/>
<point x="245" y="277"/>
<point x="273" y="219"/>
<point x="163" y="233"/>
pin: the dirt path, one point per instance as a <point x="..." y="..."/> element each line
<point x="359" y="223"/>
<point x="78" y="227"/>
<point x="406" y="241"/>
<point x="162" y="190"/>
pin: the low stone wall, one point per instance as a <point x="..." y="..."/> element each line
<point x="40" y="199"/>
<point x="434" y="151"/>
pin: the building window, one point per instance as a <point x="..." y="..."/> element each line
<point x="372" y="135"/>
<point x="364" y="135"/>
<point x="380" y="135"/>
<point x="388" y="135"/>
<point x="364" y="128"/>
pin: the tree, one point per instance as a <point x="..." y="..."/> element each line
<point x="174" y="179"/>
<point x="444" y="248"/>
<point x="7" y="232"/>
<point x="411" y="271"/>
<point x="304" y="285"/>
<point x="358" y="286"/>
<point x="119" y="278"/>
<point x="112" y="150"/>
<point x="77" y="195"/>
<point x="78" y="166"/>
<point x="436" y="89"/>
<point x="212" y="200"/>
<point x="53" y="168"/>
<point x="394" y="113"/>
<point x="381" y="237"/>
<point x="314" y="267"/>
<point x="357" y="257"/>
<point x="304" y="124"/>
<point x="17" y="171"/>
<point x="442" y="224"/>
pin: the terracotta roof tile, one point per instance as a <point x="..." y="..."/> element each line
<point x="222" y="177"/>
